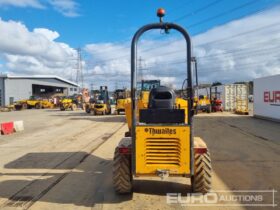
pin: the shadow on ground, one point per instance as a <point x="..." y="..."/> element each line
<point x="90" y="184"/>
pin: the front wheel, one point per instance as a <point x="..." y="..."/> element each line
<point x="37" y="106"/>
<point x="122" y="176"/>
<point x="25" y="106"/>
<point x="201" y="181"/>
<point x="87" y="110"/>
<point x="109" y="112"/>
<point x="74" y="107"/>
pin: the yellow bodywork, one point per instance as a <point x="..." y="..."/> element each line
<point x="66" y="103"/>
<point x="27" y="103"/>
<point x="121" y="103"/>
<point x="46" y="104"/>
<point x="162" y="148"/>
<point x="204" y="102"/>
<point x="101" y="109"/>
<point x="30" y="103"/>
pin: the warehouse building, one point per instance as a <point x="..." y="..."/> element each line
<point x="14" y="88"/>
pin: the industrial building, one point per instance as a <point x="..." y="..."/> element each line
<point x="14" y="88"/>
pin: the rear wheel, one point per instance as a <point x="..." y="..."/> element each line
<point x="18" y="107"/>
<point x="24" y="106"/>
<point x="37" y="106"/>
<point x="201" y="181"/>
<point x="122" y="177"/>
<point x="88" y="109"/>
<point x="74" y="107"/>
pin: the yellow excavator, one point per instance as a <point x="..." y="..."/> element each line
<point x="160" y="141"/>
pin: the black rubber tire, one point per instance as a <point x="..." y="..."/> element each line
<point x="37" y="106"/>
<point x="25" y="106"/>
<point x="18" y="107"/>
<point x="73" y="107"/>
<point x="127" y="134"/>
<point x="122" y="176"/>
<point x="209" y="109"/>
<point x="88" y="110"/>
<point x="201" y="181"/>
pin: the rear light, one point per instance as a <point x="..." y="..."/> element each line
<point x="200" y="150"/>
<point x="124" y="150"/>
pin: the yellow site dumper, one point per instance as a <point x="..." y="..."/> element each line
<point x="160" y="140"/>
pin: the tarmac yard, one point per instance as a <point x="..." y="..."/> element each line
<point x="63" y="160"/>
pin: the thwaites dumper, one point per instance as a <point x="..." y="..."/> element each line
<point x="160" y="141"/>
<point x="102" y="105"/>
<point x="122" y="97"/>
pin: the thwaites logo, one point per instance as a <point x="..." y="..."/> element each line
<point x="154" y="131"/>
<point x="272" y="97"/>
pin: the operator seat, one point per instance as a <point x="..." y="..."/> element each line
<point x="161" y="108"/>
<point x="161" y="98"/>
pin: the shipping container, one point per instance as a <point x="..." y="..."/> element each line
<point x="233" y="96"/>
<point x="242" y="99"/>
<point x="267" y="97"/>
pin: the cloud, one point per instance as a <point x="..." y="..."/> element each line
<point x="240" y="50"/>
<point x="50" y="35"/>
<point x="22" y="3"/>
<point x="34" y="52"/>
<point x="68" y="8"/>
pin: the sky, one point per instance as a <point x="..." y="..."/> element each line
<point x="232" y="40"/>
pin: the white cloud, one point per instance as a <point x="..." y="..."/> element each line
<point x="68" y="8"/>
<point x="227" y="53"/>
<point x="22" y="3"/>
<point x="50" y="35"/>
<point x="34" y="52"/>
